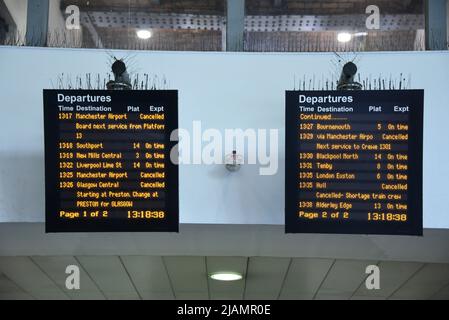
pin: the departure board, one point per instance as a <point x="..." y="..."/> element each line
<point x="354" y="162"/>
<point x="108" y="165"/>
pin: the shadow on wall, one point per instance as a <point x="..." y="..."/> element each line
<point x="22" y="188"/>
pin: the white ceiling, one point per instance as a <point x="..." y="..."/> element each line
<point x="185" y="277"/>
<point x="175" y="266"/>
<point x="30" y="239"/>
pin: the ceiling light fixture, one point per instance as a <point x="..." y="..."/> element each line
<point x="226" y="276"/>
<point x="360" y="34"/>
<point x="344" y="37"/>
<point x="144" y="34"/>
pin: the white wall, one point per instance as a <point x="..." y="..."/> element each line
<point x="224" y="90"/>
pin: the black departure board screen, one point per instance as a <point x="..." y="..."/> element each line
<point x="354" y="162"/>
<point x="107" y="161"/>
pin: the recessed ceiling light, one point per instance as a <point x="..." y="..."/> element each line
<point x="344" y="37"/>
<point x="144" y="34"/>
<point x="226" y="276"/>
